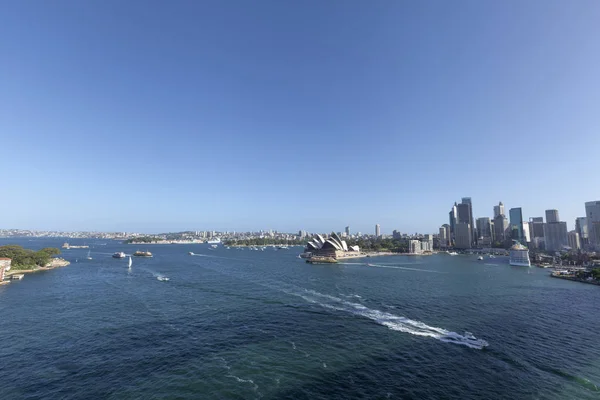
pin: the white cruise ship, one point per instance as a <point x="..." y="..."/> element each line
<point x="519" y="255"/>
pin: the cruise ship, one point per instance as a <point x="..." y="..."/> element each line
<point x="519" y="255"/>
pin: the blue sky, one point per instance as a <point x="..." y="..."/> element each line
<point x="236" y="115"/>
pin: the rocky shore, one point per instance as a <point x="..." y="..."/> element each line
<point x="55" y="263"/>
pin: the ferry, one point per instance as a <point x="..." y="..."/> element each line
<point x="214" y="241"/>
<point x="321" y="260"/>
<point x="519" y="255"/>
<point x="142" y="254"/>
<point x="119" y="254"/>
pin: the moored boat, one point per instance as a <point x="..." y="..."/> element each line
<point x="519" y="255"/>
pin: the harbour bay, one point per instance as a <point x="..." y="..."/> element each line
<point x="243" y="324"/>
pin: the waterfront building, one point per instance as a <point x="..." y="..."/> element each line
<point x="500" y="228"/>
<point x="516" y="224"/>
<point x="377" y="230"/>
<point x="427" y="243"/>
<point x="581" y="227"/>
<point x="592" y="211"/>
<point x="574" y="242"/>
<point x="555" y="232"/>
<point x="414" y="246"/>
<point x="498" y="210"/>
<point x="4" y="267"/>
<point x="333" y="246"/>
<point x="463" y="236"/>
<point x="444" y="236"/>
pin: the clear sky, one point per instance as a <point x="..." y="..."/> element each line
<point x="245" y="115"/>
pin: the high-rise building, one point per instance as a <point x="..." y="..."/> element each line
<point x="442" y="237"/>
<point x="463" y="236"/>
<point x="516" y="224"/>
<point x="500" y="228"/>
<point x="555" y="232"/>
<point x="347" y="231"/>
<point x="453" y="219"/>
<point x="574" y="242"/>
<point x="467" y="200"/>
<point x="484" y="228"/>
<point x="581" y="228"/>
<point x="592" y="211"/>
<point x="377" y="230"/>
<point x="464" y="217"/>
<point x="526" y="232"/>
<point x="552" y="216"/>
<point x="498" y="210"/>
<point x="536" y="227"/>
<point x="396" y="234"/>
<point x="414" y="247"/>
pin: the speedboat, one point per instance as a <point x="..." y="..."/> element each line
<point x="452" y="253"/>
<point x="492" y="256"/>
<point x="214" y="246"/>
<point x="162" y="278"/>
<point x="480" y="258"/>
<point x="119" y="254"/>
<point x="191" y="253"/>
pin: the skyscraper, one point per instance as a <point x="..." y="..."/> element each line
<point x="552" y="216"/>
<point x="463" y="236"/>
<point x="377" y="230"/>
<point x="484" y="229"/>
<point x="467" y="200"/>
<point x="453" y="217"/>
<point x="443" y="236"/>
<point x="500" y="227"/>
<point x="592" y="211"/>
<point x="516" y="224"/>
<point x="464" y="217"/>
<point x="347" y="231"/>
<point x="574" y="242"/>
<point x="498" y="210"/>
<point x="581" y="228"/>
<point x="536" y="226"/>
<point x="555" y="232"/>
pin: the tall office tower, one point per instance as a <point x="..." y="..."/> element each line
<point x="555" y="232"/>
<point x="443" y="238"/>
<point x="516" y="224"/>
<point x="463" y="236"/>
<point x="377" y="230"/>
<point x="396" y="234"/>
<point x="536" y="227"/>
<point x="500" y="227"/>
<point x="552" y="216"/>
<point x="526" y="232"/>
<point x="592" y="211"/>
<point x="453" y="218"/>
<point x="498" y="210"/>
<point x="467" y="200"/>
<point x="581" y="228"/>
<point x="347" y="231"/>
<point x="484" y="228"/>
<point x="574" y="242"/>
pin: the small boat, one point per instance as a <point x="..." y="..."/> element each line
<point x="130" y="262"/>
<point x="452" y="253"/>
<point x="162" y="278"/>
<point x="142" y="254"/>
<point x="89" y="257"/>
<point x="191" y="253"/>
<point x="480" y="258"/>
<point x="492" y="256"/>
<point x="214" y="246"/>
<point x="119" y="254"/>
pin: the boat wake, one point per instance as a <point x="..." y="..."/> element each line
<point x="391" y="321"/>
<point x="406" y="268"/>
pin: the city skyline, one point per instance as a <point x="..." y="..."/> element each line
<point x="230" y="117"/>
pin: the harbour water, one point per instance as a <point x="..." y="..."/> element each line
<point x="241" y="324"/>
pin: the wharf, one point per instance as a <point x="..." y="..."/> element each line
<point x="575" y="279"/>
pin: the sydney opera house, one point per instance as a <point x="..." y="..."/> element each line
<point x="333" y="246"/>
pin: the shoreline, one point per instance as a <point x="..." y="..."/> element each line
<point x="55" y="263"/>
<point x="574" y="279"/>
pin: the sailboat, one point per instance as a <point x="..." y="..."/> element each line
<point x="130" y="262"/>
<point x="89" y="257"/>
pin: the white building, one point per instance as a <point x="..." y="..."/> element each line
<point x="414" y="247"/>
<point x="377" y="230"/>
<point x="574" y="242"/>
